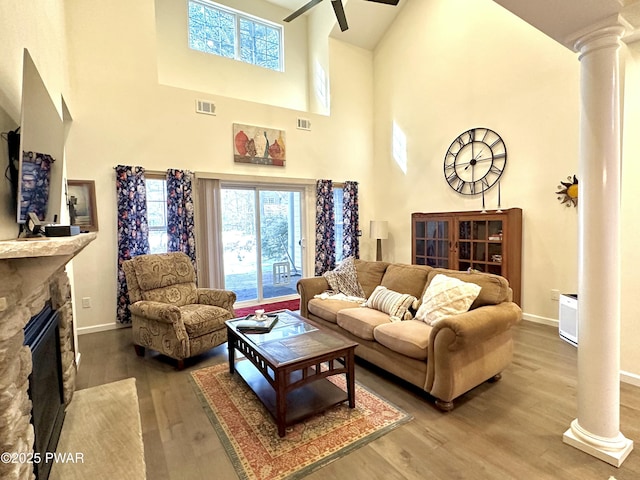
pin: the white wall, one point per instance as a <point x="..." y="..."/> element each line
<point x="630" y="214"/>
<point x="123" y="116"/>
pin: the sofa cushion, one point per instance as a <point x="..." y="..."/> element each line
<point x="344" y="279"/>
<point x="327" y="309"/>
<point x="411" y="279"/>
<point x="396" y="304"/>
<point x="361" y="321"/>
<point x="370" y="275"/>
<point x="410" y="338"/>
<point x="446" y="296"/>
<point x="495" y="289"/>
<point x="201" y="319"/>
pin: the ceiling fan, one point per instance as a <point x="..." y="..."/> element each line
<point x="337" y="8"/>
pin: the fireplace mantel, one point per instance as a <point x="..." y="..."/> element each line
<point x="45" y="246"/>
<point x="30" y="263"/>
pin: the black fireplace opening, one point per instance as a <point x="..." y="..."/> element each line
<point x="46" y="391"/>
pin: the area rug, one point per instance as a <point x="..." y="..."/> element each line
<point x="270" y="307"/>
<point x="250" y="436"/>
<point x="101" y="437"/>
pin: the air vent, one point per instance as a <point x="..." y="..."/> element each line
<point x="206" y="107"/>
<point x="304" y="124"/>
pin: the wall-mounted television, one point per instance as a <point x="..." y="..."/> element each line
<point x="41" y="149"/>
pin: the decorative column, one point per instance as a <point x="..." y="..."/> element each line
<point x="597" y="428"/>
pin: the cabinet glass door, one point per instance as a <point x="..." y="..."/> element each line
<point x="432" y="243"/>
<point x="480" y="245"/>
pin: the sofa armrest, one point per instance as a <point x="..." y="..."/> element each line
<point x="309" y="288"/>
<point x="217" y="297"/>
<point x="478" y="325"/>
<point x="467" y="349"/>
<point x="161" y="312"/>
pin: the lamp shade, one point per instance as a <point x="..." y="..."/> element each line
<point x="379" y="229"/>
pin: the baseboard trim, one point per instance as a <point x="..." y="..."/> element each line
<point x="630" y="378"/>
<point x="97" y="328"/>
<point x="553" y="322"/>
<point x="626" y="377"/>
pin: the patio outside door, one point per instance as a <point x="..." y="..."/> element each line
<point x="261" y="237"/>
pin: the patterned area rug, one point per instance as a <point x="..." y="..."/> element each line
<point x="269" y="307"/>
<point x="250" y="435"/>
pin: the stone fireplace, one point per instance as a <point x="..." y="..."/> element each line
<point x="33" y="277"/>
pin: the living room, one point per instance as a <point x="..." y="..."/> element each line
<point x="443" y="67"/>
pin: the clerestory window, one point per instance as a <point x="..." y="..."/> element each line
<point x="220" y="30"/>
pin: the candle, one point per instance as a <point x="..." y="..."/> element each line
<point x="483" y="209"/>
<point x="498" y="195"/>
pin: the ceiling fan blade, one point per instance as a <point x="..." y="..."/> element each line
<point x="302" y="9"/>
<point x="339" y="9"/>
<point x="387" y="2"/>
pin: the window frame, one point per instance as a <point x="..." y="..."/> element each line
<point x="238" y="16"/>
<point x="164" y="228"/>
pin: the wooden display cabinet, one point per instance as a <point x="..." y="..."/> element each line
<point x="489" y="242"/>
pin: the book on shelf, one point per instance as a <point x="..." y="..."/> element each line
<point x="253" y="324"/>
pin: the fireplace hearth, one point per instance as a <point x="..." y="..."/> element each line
<point x="46" y="390"/>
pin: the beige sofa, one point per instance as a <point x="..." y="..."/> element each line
<point x="446" y="360"/>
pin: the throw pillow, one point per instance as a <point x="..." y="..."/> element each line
<point x="344" y="279"/>
<point x="395" y="304"/>
<point x="446" y="296"/>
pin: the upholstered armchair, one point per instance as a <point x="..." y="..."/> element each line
<point x="169" y="314"/>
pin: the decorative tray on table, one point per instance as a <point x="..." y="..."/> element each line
<point x="253" y="324"/>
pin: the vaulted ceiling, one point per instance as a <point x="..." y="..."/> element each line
<point x="564" y="20"/>
<point x="368" y="21"/>
<point x="560" y="20"/>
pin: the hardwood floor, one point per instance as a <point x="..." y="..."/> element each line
<point x="511" y="429"/>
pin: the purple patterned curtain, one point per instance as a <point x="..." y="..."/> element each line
<point x="350" y="234"/>
<point x="325" y="227"/>
<point x="133" y="229"/>
<point x="181" y="236"/>
<point x="36" y="176"/>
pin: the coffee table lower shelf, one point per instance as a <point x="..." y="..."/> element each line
<point x="302" y="402"/>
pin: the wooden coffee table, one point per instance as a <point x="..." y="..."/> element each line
<point x="288" y="367"/>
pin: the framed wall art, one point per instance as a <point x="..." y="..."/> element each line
<point x="258" y="145"/>
<point x="81" y="199"/>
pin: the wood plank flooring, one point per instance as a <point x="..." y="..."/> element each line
<point x="511" y="429"/>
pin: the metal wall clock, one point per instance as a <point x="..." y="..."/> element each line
<point x="475" y="161"/>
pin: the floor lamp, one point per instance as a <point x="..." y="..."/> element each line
<point x="379" y="229"/>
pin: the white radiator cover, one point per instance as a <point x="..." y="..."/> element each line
<point x="568" y="317"/>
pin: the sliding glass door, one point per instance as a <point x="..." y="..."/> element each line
<point x="261" y="241"/>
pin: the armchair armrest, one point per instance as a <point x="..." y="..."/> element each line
<point x="478" y="325"/>
<point x="162" y="312"/>
<point x="217" y="297"/>
<point x="309" y="288"/>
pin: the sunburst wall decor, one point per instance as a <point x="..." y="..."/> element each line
<point x="568" y="192"/>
